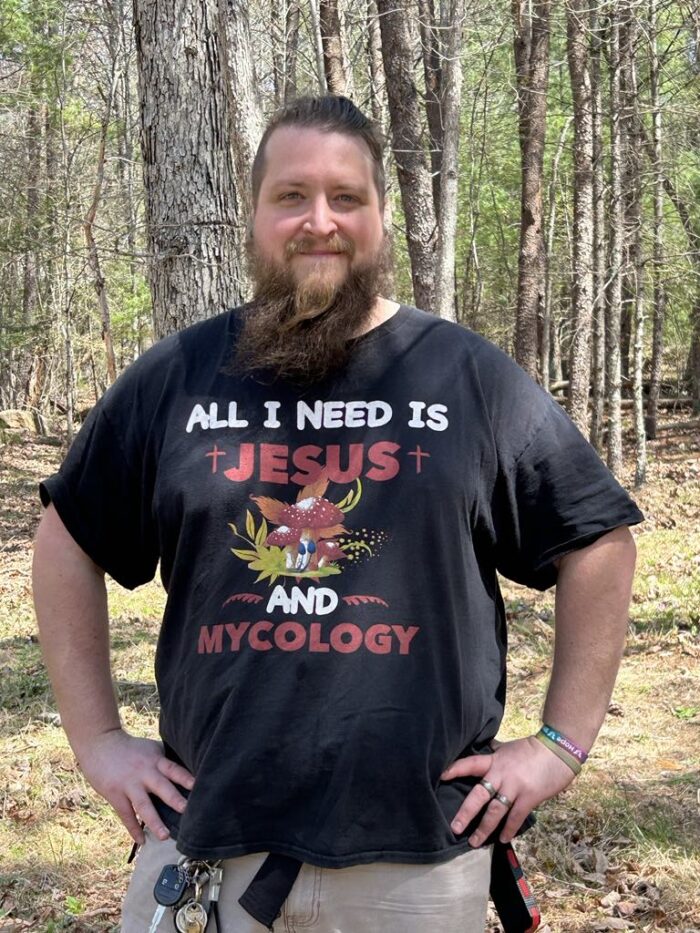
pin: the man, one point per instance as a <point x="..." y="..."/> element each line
<point x="330" y="482"/>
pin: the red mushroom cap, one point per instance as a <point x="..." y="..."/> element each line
<point x="313" y="512"/>
<point x="282" y="536"/>
<point x="330" y="550"/>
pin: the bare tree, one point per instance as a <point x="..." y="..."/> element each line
<point x="447" y="209"/>
<point x="89" y="223"/>
<point x="191" y="209"/>
<point x="531" y="44"/>
<point x="333" y="59"/>
<point x="246" y="108"/>
<point x="599" y="256"/>
<point x="406" y="134"/>
<point x="432" y="55"/>
<point x="292" y="51"/>
<point x="318" y="45"/>
<point x="633" y="280"/>
<point x="657" y="350"/>
<point x="549" y="337"/>
<point x="582" y="285"/>
<point x="614" y="296"/>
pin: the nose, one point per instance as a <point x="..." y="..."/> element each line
<point x="320" y="219"/>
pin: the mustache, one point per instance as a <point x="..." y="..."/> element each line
<point x="336" y="243"/>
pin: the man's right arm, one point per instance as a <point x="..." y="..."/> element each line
<point x="70" y="598"/>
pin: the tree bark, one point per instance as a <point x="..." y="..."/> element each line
<point x="599" y="257"/>
<point x="657" y="350"/>
<point x="412" y="168"/>
<point x="291" y="51"/>
<point x="547" y="368"/>
<point x="614" y="295"/>
<point x="192" y="214"/>
<point x="333" y="60"/>
<point x="246" y="108"/>
<point x="450" y="109"/>
<point x="88" y="228"/>
<point x="431" y="48"/>
<point x="315" y="31"/>
<point x="633" y="232"/>
<point x="582" y="286"/>
<point x="531" y="43"/>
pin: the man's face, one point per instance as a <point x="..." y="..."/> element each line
<point x="318" y="213"/>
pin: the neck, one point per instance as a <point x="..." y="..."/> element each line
<point x="382" y="310"/>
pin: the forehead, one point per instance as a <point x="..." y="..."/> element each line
<point x="304" y="154"/>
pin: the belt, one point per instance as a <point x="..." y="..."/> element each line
<point x="512" y="897"/>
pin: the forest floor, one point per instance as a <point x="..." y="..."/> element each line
<point x="619" y="850"/>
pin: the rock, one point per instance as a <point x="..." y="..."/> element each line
<point x="17" y="419"/>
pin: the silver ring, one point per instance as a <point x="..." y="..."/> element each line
<point x="501" y="798"/>
<point x="489" y="787"/>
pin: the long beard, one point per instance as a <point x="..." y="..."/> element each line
<point x="302" y="332"/>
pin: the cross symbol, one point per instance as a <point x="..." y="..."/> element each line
<point x="418" y="453"/>
<point x="215" y="454"/>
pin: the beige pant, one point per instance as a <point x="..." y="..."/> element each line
<point x="379" y="898"/>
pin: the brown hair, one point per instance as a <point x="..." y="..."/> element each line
<point x="330" y="114"/>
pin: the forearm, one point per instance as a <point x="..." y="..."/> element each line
<point x="71" y="606"/>
<point x="591" y="616"/>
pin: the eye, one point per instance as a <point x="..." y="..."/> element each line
<point x="347" y="198"/>
<point x="290" y="196"/>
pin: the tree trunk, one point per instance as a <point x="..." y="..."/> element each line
<point x="412" y="169"/>
<point x="88" y="225"/>
<point x="333" y="61"/>
<point x="431" y="48"/>
<point x="614" y="295"/>
<point x="318" y="45"/>
<point x="640" y="464"/>
<point x="291" y="52"/>
<point x="599" y="257"/>
<point x="450" y="109"/>
<point x="546" y="362"/>
<point x="532" y="77"/>
<point x="246" y="109"/>
<point x="631" y="167"/>
<point x="582" y="286"/>
<point x="192" y="214"/>
<point x="378" y="99"/>
<point x="119" y="32"/>
<point x="277" y="19"/>
<point x="657" y="350"/>
<point x="377" y="81"/>
<point x="632" y="199"/>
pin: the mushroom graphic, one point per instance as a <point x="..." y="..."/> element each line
<point x="304" y="530"/>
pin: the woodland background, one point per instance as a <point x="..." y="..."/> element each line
<point x="544" y="166"/>
<point x="545" y="178"/>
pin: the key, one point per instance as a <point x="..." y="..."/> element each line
<point x="191" y="917"/>
<point x="171" y="885"/>
<point x="157" y="917"/>
<point x="169" y="890"/>
<point x="216" y="875"/>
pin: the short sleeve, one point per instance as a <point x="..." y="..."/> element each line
<point x="551" y="492"/>
<point x="557" y="496"/>
<point x="101" y="494"/>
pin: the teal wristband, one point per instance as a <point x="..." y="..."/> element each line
<point x="567" y="745"/>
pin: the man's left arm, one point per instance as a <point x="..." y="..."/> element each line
<point x="591" y="614"/>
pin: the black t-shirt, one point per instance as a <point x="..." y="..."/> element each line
<point x="334" y="635"/>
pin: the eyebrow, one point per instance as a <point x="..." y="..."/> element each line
<point x="344" y="186"/>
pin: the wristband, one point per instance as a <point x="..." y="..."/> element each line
<point x="561" y="740"/>
<point x="559" y="752"/>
